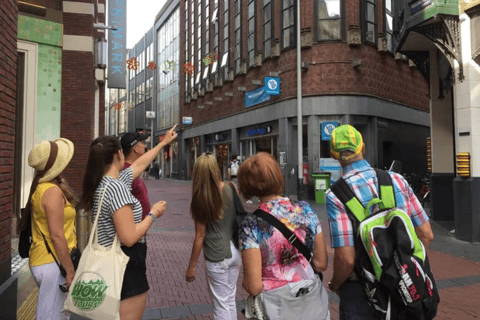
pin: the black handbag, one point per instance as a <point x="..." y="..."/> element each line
<point x="289" y="235"/>
<point x="239" y="214"/>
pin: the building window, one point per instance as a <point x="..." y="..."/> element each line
<point x="251" y="32"/>
<point x="329" y="20"/>
<point x="192" y="43"/>
<point x="186" y="47"/>
<point x="388" y="25"/>
<point x="237" y="36"/>
<point x="370" y="21"/>
<point x="288" y="23"/>
<point x="267" y="27"/>
<point x="215" y="38"/>
<point x="199" y="43"/>
<point x="226" y="34"/>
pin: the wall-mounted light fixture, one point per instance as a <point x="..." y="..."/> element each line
<point x="101" y="53"/>
<point x="101" y="26"/>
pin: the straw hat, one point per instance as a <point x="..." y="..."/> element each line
<point x="38" y="157"/>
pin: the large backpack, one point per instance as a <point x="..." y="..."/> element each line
<point x="391" y="262"/>
<point x="234" y="168"/>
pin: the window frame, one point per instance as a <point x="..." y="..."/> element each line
<point x="294" y="45"/>
<point x="317" y="22"/>
<point x="271" y="28"/>
<point x="366" y="22"/>
<point x="226" y="39"/>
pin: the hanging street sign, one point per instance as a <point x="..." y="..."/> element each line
<point x="272" y="85"/>
<point x="327" y="128"/>
<point x="256" y="96"/>
<point x="187" y="120"/>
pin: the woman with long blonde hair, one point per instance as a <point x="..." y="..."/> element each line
<point x="213" y="210"/>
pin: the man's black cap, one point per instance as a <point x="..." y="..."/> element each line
<point x="129" y="139"/>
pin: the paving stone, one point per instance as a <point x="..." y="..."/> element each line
<point x="152" y="314"/>
<point x="175" y="312"/>
<point x="199" y="309"/>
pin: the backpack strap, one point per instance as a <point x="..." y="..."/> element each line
<point x="385" y="186"/>
<point x="355" y="209"/>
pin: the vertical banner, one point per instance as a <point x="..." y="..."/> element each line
<point x="117" y="44"/>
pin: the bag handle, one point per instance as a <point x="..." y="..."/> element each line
<point x="288" y="234"/>
<point x="95" y="223"/>
<point x="371" y="203"/>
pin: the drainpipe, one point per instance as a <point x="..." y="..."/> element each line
<point x="300" y="186"/>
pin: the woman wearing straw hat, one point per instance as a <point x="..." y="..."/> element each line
<point x="53" y="224"/>
<point x="121" y="213"/>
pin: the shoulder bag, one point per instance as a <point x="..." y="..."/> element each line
<point x="305" y="299"/>
<point x="96" y="288"/>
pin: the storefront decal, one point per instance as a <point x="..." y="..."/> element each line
<point x="272" y="85"/>
<point x="41" y="31"/>
<point x="256" y="96"/>
<point x="327" y="128"/>
<point x="258" y="131"/>
<point x="333" y="166"/>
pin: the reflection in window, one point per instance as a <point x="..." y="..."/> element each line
<point x="389" y="24"/>
<point x="267" y="27"/>
<point x="288" y="23"/>
<point x="370" y="21"/>
<point x="226" y="35"/>
<point x="329" y="19"/>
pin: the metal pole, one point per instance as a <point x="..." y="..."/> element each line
<point x="299" y="108"/>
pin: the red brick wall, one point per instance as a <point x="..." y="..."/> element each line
<point x="8" y="88"/>
<point x="330" y="72"/>
<point x="78" y="98"/>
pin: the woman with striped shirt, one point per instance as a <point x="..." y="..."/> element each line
<point x="121" y="213"/>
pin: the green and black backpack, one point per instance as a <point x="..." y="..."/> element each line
<point x="391" y="261"/>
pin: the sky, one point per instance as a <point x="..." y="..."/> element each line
<point x="140" y="18"/>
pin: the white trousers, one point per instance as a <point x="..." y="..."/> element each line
<point x="50" y="298"/>
<point x="222" y="283"/>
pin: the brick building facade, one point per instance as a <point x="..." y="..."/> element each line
<point x="350" y="74"/>
<point x="51" y="87"/>
<point x="8" y="70"/>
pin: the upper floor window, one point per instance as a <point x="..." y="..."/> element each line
<point x="369" y="29"/>
<point x="237" y="35"/>
<point x="389" y="24"/>
<point x="251" y="32"/>
<point x="329" y="20"/>
<point x="267" y="27"/>
<point x="226" y="36"/>
<point x="288" y="23"/>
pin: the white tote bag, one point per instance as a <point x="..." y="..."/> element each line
<point x="97" y="285"/>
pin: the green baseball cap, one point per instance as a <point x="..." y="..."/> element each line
<point x="346" y="138"/>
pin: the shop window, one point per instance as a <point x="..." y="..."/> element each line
<point x="329" y="24"/>
<point x="288" y="23"/>
<point x="369" y="16"/>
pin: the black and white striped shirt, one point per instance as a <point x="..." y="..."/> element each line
<point x="117" y="195"/>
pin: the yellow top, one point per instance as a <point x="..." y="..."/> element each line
<point x="38" y="251"/>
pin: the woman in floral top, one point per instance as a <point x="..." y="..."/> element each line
<point x="269" y="260"/>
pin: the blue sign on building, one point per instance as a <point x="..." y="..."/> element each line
<point x="117" y="44"/>
<point x="327" y="128"/>
<point x="272" y="86"/>
<point x="256" y="96"/>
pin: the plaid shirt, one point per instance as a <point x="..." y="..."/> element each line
<point x="361" y="178"/>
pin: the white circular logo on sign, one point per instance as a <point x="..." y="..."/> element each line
<point x="329" y="129"/>
<point x="272" y="84"/>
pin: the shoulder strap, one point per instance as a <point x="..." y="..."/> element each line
<point x="385" y="186"/>
<point x="240" y="210"/>
<point x="287" y="233"/>
<point x="62" y="270"/>
<point x="355" y="209"/>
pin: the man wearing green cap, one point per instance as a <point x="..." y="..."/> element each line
<point x="346" y="145"/>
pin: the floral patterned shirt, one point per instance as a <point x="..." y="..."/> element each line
<point x="281" y="262"/>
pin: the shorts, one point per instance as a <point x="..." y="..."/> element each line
<point x="135" y="279"/>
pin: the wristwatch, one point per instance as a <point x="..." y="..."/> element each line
<point x="151" y="215"/>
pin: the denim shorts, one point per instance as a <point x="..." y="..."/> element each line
<point x="135" y="278"/>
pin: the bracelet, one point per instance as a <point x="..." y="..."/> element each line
<point x="151" y="215"/>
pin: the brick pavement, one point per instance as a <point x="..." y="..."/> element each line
<point x="170" y="241"/>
